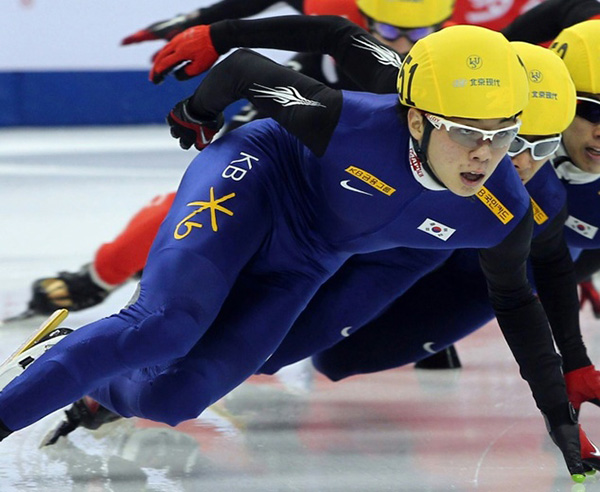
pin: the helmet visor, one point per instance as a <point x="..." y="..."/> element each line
<point x="541" y="149"/>
<point x="392" y="33"/>
<point x="588" y="109"/>
<point x="471" y="137"/>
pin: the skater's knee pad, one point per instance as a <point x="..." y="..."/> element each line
<point x="165" y="334"/>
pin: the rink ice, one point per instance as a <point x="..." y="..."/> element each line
<point x="63" y="192"/>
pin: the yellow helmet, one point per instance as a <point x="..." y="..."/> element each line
<point x="579" y="47"/>
<point x="465" y="72"/>
<point x="407" y="13"/>
<point x="552" y="96"/>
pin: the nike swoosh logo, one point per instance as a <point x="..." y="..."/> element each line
<point x="345" y="185"/>
<point x="596" y="450"/>
<point x="204" y="140"/>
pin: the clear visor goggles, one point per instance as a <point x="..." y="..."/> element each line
<point x="540" y="149"/>
<point x="472" y="137"/>
<point x="392" y="33"/>
<point x="588" y="109"/>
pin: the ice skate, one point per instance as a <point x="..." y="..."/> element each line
<point x="444" y="359"/>
<point x="74" y="291"/>
<point x="48" y="335"/>
<point x="87" y="413"/>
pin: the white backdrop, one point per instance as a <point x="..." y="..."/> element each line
<point x="86" y="34"/>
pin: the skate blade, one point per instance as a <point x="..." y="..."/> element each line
<point x="62" y="430"/>
<point x="48" y="326"/>
<point x="13" y="366"/>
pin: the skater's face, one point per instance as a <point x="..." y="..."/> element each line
<point x="582" y="138"/>
<point x="463" y="153"/>
<point x="529" y="153"/>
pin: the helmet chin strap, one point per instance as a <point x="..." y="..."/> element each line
<point x="421" y="151"/>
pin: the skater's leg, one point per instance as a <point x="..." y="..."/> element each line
<point x="120" y="259"/>
<point x="231" y="351"/>
<point x="356" y="293"/>
<point x="443" y="307"/>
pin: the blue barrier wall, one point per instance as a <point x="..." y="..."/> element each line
<point x="89" y="98"/>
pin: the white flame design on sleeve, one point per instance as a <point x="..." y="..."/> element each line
<point x="383" y="55"/>
<point x="286" y="96"/>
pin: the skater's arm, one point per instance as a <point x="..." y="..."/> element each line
<point x="370" y="64"/>
<point x="306" y="63"/>
<point x="306" y="108"/>
<point x="554" y="275"/>
<point x="522" y="318"/>
<point x="525" y="328"/>
<point x="225" y="9"/>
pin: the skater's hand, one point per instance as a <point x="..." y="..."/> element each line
<point x="588" y="293"/>
<point x="565" y="432"/>
<point x="165" y="29"/>
<point x="190" y="130"/>
<point x="583" y="385"/>
<point x="192" y="51"/>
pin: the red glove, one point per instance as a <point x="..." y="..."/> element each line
<point x="190" y="130"/>
<point x="583" y="385"/>
<point x="166" y="29"/>
<point x="590" y="454"/>
<point x="589" y="294"/>
<point x="193" y="47"/>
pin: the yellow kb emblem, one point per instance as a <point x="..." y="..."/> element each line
<point x="212" y="205"/>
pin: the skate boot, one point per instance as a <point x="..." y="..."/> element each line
<point x="87" y="413"/>
<point x="591" y="295"/>
<point x="444" y="359"/>
<point x="75" y="291"/>
<point x="48" y="335"/>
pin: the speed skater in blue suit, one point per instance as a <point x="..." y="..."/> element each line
<point x="264" y="216"/>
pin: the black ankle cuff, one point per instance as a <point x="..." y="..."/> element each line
<point x="4" y="431"/>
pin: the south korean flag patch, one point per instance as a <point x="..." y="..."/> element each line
<point x="436" y="229"/>
<point x="581" y="227"/>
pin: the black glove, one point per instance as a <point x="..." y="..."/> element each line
<point x="590" y="454"/>
<point x="562" y="425"/>
<point x="166" y="29"/>
<point x="190" y="130"/>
